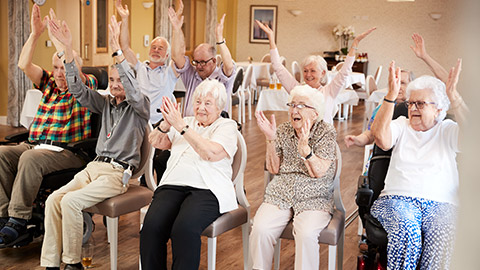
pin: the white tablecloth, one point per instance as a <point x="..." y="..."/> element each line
<point x="373" y="100"/>
<point x="347" y="96"/>
<point x="30" y="107"/>
<point x="354" y="77"/>
<point x="273" y="100"/>
<point x="260" y="69"/>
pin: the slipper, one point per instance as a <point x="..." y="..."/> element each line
<point x="10" y="240"/>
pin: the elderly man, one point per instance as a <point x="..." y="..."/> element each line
<point x="203" y="64"/>
<point x="124" y="118"/>
<point x="155" y="77"/>
<point x="60" y="119"/>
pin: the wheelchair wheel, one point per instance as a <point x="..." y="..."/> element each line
<point x="87" y="227"/>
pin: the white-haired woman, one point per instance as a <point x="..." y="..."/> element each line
<point x="417" y="206"/>
<point x="315" y="71"/>
<point x="301" y="154"/>
<point x="196" y="187"/>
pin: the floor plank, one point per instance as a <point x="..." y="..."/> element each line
<point x="229" y="251"/>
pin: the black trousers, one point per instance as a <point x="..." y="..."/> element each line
<point x="180" y="214"/>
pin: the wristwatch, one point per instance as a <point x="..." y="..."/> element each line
<point x="308" y="156"/>
<point x="184" y="130"/>
<point x="60" y="54"/>
<point x="117" y="53"/>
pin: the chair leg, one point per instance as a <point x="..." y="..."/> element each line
<point x="249" y="106"/>
<point x="212" y="252"/>
<point x="332" y="255"/>
<point x="112" y="230"/>
<point x="245" y="240"/>
<point x="276" y="255"/>
<point x="340" y="243"/>
<point x="360" y="226"/>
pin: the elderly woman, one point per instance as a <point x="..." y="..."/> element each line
<point x="315" y="71"/>
<point x="196" y="187"/>
<point x="417" y="206"/>
<point x="301" y="154"/>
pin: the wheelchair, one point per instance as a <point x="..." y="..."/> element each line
<point x="369" y="188"/>
<point x="53" y="181"/>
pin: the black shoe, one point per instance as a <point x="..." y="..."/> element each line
<point x="77" y="266"/>
<point x="9" y="239"/>
<point x="52" y="268"/>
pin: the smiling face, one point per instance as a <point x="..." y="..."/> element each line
<point x="59" y="73"/>
<point x="205" y="109"/>
<point x="116" y="86"/>
<point x="312" y="75"/>
<point x="422" y="119"/>
<point x="298" y="117"/>
<point x="158" y="51"/>
<point x="202" y="54"/>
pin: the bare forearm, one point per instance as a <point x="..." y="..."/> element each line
<point x="159" y="140"/>
<point x="316" y="166"/>
<point x="272" y="159"/>
<point x="125" y="42"/>
<point x="206" y="149"/>
<point x="178" y="48"/>
<point x="32" y="71"/>
<point x="381" y="126"/>
<point x="460" y="111"/>
<point x="227" y="59"/>
<point x="436" y="68"/>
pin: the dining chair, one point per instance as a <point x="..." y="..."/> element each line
<point x="266" y="58"/>
<point x="248" y="85"/>
<point x="132" y="200"/>
<point x="234" y="218"/>
<point x="263" y="82"/>
<point x="377" y="74"/>
<point x="333" y="235"/>
<point x="237" y="95"/>
<point x="296" y="71"/>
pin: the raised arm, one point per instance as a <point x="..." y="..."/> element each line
<point x="381" y="126"/>
<point x="361" y="140"/>
<point x="178" y="38"/>
<point x="59" y="46"/>
<point x="33" y="72"/>
<point x="421" y="52"/>
<point x="458" y="106"/>
<point x="269" y="129"/>
<point x="224" y="51"/>
<point x="124" y="34"/>
<point x="357" y="40"/>
<point x="285" y="77"/>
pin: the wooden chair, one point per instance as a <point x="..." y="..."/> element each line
<point x="333" y="235"/>
<point x="132" y="200"/>
<point x="296" y="71"/>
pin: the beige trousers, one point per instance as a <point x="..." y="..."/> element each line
<point x="21" y="172"/>
<point x="63" y="212"/>
<point x="268" y="225"/>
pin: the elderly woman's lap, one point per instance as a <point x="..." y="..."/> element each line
<point x="416" y="228"/>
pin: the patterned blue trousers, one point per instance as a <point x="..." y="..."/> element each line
<point x="420" y="231"/>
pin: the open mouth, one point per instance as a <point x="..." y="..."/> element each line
<point x="297" y="119"/>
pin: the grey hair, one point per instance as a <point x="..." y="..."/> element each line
<point x="210" y="48"/>
<point x="215" y="88"/>
<point x="438" y="90"/>
<point x="164" y="40"/>
<point x="319" y="62"/>
<point x="411" y="76"/>
<point x="315" y="98"/>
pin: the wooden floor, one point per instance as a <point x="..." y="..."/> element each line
<point x="229" y="251"/>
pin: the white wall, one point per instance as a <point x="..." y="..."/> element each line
<point x="311" y="32"/>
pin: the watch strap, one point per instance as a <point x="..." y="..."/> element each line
<point x="184" y="130"/>
<point x="117" y="53"/>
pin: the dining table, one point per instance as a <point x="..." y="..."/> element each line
<point x="260" y="69"/>
<point x="373" y="100"/>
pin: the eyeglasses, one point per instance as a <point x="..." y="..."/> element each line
<point x="299" y="106"/>
<point x="201" y="62"/>
<point x="418" y="104"/>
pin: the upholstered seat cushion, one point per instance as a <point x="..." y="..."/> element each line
<point x="329" y="235"/>
<point x="226" y="222"/>
<point x="135" y="198"/>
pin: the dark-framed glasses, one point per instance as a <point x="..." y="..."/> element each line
<point x="418" y="104"/>
<point x="299" y="106"/>
<point x="201" y="62"/>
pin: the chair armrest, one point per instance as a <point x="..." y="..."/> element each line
<point x="83" y="144"/>
<point x="17" y="137"/>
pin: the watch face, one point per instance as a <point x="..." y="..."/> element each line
<point x="39" y="2"/>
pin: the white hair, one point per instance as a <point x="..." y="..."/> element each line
<point x="215" y="88"/>
<point x="319" y="62"/>
<point x="439" y="94"/>
<point x="315" y="98"/>
<point x="164" y="40"/>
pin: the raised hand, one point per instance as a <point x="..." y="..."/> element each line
<point x="122" y="11"/>
<point x="175" y="19"/>
<point x="452" y="92"/>
<point x="394" y="81"/>
<point x="179" y="11"/>
<point x="266" y="29"/>
<point x="219" y="29"/>
<point x="419" y="48"/>
<point x="61" y="32"/>
<point x="171" y="114"/>
<point x="58" y="45"/>
<point x="37" y="24"/>
<point x="269" y="128"/>
<point x="114" y="33"/>
<point x="359" y="38"/>
<point x="303" y="148"/>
